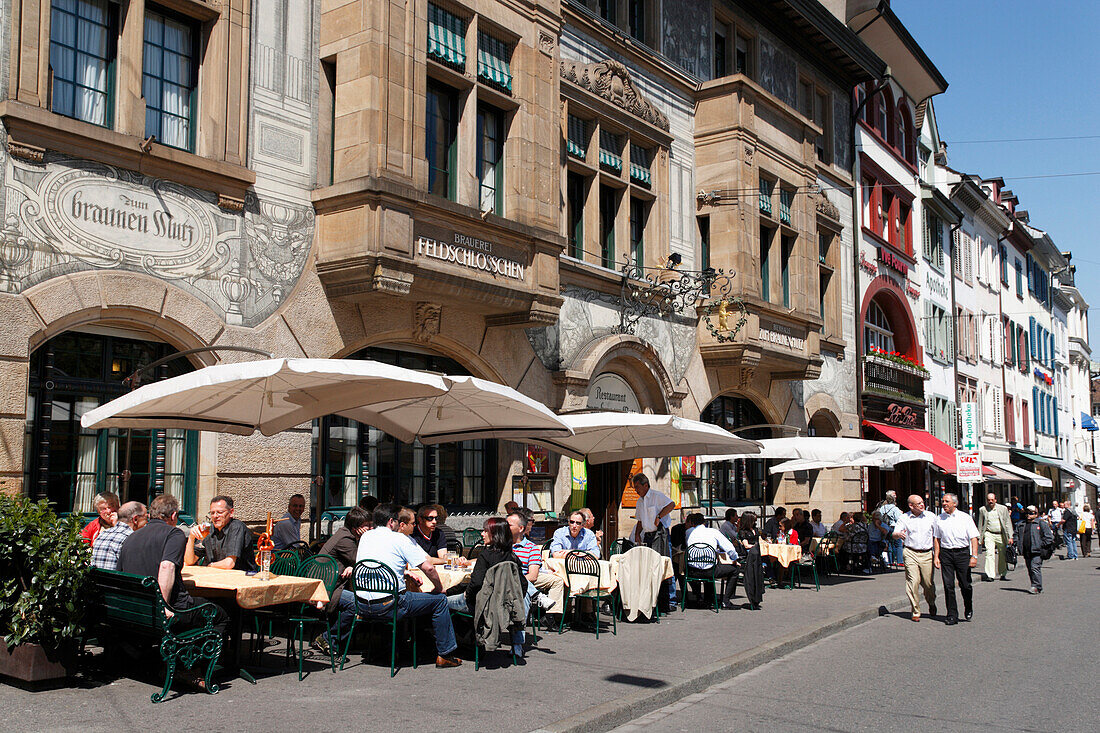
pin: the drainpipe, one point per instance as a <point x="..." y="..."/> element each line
<point x="1001" y="310"/>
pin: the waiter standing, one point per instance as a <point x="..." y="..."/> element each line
<point x="955" y="552"/>
<point x="652" y="511"/>
<point x="914" y="529"/>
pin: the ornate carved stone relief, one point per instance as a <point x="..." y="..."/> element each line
<point x="611" y="80"/>
<point x="825" y="207"/>
<point x="428" y="316"/>
<point x="546" y="42"/>
<point x="67" y="215"/>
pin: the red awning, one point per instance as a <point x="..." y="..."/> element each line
<point x="943" y="455"/>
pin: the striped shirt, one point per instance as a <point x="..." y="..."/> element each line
<point x="107" y="544"/>
<point x="528" y="553"/>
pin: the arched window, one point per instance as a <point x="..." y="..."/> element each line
<point x="906" y="134"/>
<point x="743" y="480"/>
<point x="877" y="332"/>
<point x="70" y="375"/>
<point x="360" y="460"/>
<point x="885" y="126"/>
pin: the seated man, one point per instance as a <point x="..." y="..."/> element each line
<point x="106" y="503"/>
<point x="774" y="526"/>
<point x="841" y="525"/>
<point x="801" y="524"/>
<point x="229" y="544"/>
<point x="428" y="534"/>
<point x="590" y="524"/>
<point x="815" y="522"/>
<point x="729" y="526"/>
<point x="288" y="529"/>
<point x="530" y="560"/>
<point x="393" y="548"/>
<point x="131" y="516"/>
<point x="343" y="546"/>
<point x="700" y="534"/>
<point x="573" y="536"/>
<point x="157" y="550"/>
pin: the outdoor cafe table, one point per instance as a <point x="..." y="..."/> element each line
<point x="249" y="592"/>
<point x="449" y="578"/>
<point x="783" y="554"/>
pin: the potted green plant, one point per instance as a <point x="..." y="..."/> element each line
<point x="44" y="571"/>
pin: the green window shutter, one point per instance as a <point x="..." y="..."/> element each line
<point x="446" y="37"/>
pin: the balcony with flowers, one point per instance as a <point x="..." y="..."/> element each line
<point x="894" y="375"/>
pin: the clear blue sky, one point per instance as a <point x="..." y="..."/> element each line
<point x="1024" y="69"/>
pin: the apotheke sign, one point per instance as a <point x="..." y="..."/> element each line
<point x="469" y="252"/>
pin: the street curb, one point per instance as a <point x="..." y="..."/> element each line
<point x="624" y="709"/>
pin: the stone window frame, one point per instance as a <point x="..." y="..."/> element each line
<point x="475" y="93"/>
<point x="736" y="31"/>
<point x="598" y="117"/>
<point x="221" y="111"/>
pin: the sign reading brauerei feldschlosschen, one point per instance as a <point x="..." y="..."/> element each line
<point x="468" y="251"/>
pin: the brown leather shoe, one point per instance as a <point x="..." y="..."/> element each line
<point x="443" y="662"/>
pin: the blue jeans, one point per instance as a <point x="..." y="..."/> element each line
<point x="345" y="614"/>
<point x="458" y="603"/>
<point x="893" y="551"/>
<point x="1071" y="546"/>
<point x="418" y="604"/>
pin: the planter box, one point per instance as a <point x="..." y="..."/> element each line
<point x="28" y="663"/>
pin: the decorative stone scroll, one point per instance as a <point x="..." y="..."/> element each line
<point x="611" y="80"/>
<point x="825" y="207"/>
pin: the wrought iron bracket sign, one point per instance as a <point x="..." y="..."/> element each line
<point x="669" y="291"/>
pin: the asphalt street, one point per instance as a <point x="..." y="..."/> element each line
<point x="1025" y="663"/>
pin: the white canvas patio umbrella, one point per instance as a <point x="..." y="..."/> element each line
<point x="269" y="395"/>
<point x="603" y="437"/>
<point x="873" y="460"/>
<point x="275" y="394"/>
<point x="471" y="408"/>
<point x="809" y="448"/>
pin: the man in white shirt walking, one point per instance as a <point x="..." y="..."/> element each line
<point x="955" y="552"/>
<point x="914" y="529"/>
<point x="700" y="534"/>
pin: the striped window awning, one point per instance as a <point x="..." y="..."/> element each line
<point x="785" y="199"/>
<point x="493" y="65"/>
<point x="576" y="142"/>
<point x="766" y="196"/>
<point x="639" y="165"/>
<point x="446" y="37"/>
<point x="609" y="151"/>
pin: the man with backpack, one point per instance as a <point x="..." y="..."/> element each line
<point x="1035" y="540"/>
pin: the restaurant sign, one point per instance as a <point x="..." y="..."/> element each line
<point x="893" y="412"/>
<point x="610" y="392"/>
<point x="469" y="252"/>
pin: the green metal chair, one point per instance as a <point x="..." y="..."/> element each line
<point x="583" y="565"/>
<point x="616" y="547"/>
<point x="371" y="576"/>
<point x="701" y="566"/>
<point x="285" y="562"/>
<point x="475" y="551"/>
<point x="806" y="561"/>
<point x="471" y="537"/>
<point x="326" y="569"/>
<point x="302" y="549"/>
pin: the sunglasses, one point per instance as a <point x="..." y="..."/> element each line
<point x="574" y="522"/>
<point x="433" y="518"/>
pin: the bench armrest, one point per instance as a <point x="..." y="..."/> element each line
<point x="200" y="616"/>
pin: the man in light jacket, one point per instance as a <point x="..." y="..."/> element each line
<point x="995" y="532"/>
